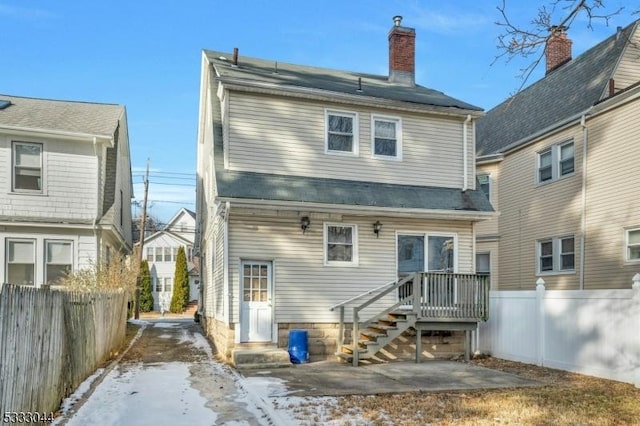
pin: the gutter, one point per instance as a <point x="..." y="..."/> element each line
<point x="359" y="210"/>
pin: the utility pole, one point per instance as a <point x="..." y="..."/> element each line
<point x="143" y="223"/>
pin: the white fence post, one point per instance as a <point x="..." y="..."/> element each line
<point x="540" y="320"/>
<point x="636" y="301"/>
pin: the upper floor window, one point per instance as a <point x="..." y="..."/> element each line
<point x="58" y="260"/>
<point x="633" y="245"/>
<point x="386" y="137"/>
<point x="556" y="255"/>
<point x="484" y="184"/>
<point x="27" y="167"/>
<point x="340" y="244"/>
<point x="555" y="162"/>
<point x="341" y="132"/>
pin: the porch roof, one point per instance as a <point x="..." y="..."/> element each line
<point x="261" y="186"/>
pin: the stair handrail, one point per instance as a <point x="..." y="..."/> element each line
<point x="366" y="293"/>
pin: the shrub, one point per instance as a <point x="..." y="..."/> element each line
<point x="146" y="297"/>
<point x="180" y="296"/>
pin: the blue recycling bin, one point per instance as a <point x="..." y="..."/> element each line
<point x="298" y="346"/>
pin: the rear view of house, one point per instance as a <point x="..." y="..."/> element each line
<point x="318" y="185"/>
<point x="66" y="183"/>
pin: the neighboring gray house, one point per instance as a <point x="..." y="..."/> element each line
<point x="66" y="183"/>
<point x="317" y="185"/>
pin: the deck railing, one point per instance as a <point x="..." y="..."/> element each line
<point x="431" y="296"/>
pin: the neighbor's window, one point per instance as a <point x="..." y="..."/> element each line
<point x="168" y="284"/>
<point x="483" y="263"/>
<point x="21" y="262"/>
<point x="149" y="254"/>
<point x="633" y="245"/>
<point x="58" y="260"/>
<point x="484" y="184"/>
<point x="555" y="162"/>
<point x="342" y="134"/>
<point x="340" y="244"/>
<point x="158" y="254"/>
<point x="386" y="137"/>
<point x="157" y="284"/>
<point x="27" y="167"/>
<point x="167" y="254"/>
<point x="556" y="255"/>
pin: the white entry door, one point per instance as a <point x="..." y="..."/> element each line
<point x="256" y="316"/>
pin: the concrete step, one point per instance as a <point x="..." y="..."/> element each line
<point x="260" y="357"/>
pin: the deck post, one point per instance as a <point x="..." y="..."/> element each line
<point x="355" y="336"/>
<point x="416" y="294"/>
<point x="467" y="345"/>
<point x="340" y="341"/>
<point x="418" y="344"/>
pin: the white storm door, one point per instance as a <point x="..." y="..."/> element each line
<point x="256" y="316"/>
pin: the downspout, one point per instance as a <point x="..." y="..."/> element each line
<point x="465" y="140"/>
<point x="95" y="217"/>
<point x="583" y="224"/>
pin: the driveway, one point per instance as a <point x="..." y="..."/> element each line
<point x="169" y="376"/>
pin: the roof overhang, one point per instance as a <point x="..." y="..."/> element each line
<point x="358" y="210"/>
<point x="242" y="85"/>
<point x="56" y="134"/>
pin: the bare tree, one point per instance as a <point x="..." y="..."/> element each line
<point x="529" y="41"/>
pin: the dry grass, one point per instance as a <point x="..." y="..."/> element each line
<point x="564" y="399"/>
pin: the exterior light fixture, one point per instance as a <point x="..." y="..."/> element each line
<point x="304" y="223"/>
<point x="377" y="226"/>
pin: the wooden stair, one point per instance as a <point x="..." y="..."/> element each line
<point x="376" y="334"/>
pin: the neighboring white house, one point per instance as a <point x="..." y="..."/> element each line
<point x="317" y="185"/>
<point x="161" y="249"/>
<point x="65" y="178"/>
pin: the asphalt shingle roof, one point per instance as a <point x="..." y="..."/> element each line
<point x="331" y="80"/>
<point x="67" y="116"/>
<point x="565" y="92"/>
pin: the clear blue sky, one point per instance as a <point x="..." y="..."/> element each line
<point x="147" y="56"/>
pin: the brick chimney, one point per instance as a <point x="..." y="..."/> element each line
<point x="402" y="54"/>
<point x="558" y="49"/>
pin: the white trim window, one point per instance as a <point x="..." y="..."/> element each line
<point x="26" y="167"/>
<point x="556" y="162"/>
<point x="341" y="132"/>
<point x="386" y="137"/>
<point x="168" y="284"/>
<point x="340" y="244"/>
<point x="484" y="184"/>
<point x="483" y="263"/>
<point x="632" y="243"/>
<point x="58" y="260"/>
<point x="556" y="255"/>
<point x="21" y="261"/>
<point x="158" y="254"/>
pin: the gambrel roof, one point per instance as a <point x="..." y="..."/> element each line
<point x="563" y="93"/>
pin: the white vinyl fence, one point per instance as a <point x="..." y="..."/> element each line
<point x="50" y="341"/>
<point x="594" y="332"/>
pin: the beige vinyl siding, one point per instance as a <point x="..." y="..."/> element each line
<point x="218" y="293"/>
<point x="69" y="182"/>
<point x="304" y="287"/>
<point x="612" y="198"/>
<point x="628" y="70"/>
<point x="489" y="227"/>
<point x="530" y="211"/>
<point x="287" y="136"/>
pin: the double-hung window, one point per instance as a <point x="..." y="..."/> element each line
<point x="386" y="135"/>
<point x="27" y="167"/>
<point x="158" y="254"/>
<point x="58" y="260"/>
<point x="157" y="284"/>
<point x="168" y="284"/>
<point x="633" y="245"/>
<point x="555" y="162"/>
<point x="21" y="264"/>
<point x="341" y="244"/>
<point x="484" y="184"/>
<point x="556" y="255"/>
<point x="167" y="254"/>
<point x="149" y="254"/>
<point x="341" y="132"/>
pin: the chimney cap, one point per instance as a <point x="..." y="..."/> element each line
<point x="397" y="20"/>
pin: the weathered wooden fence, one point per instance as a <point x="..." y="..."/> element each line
<point x="50" y="341"/>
